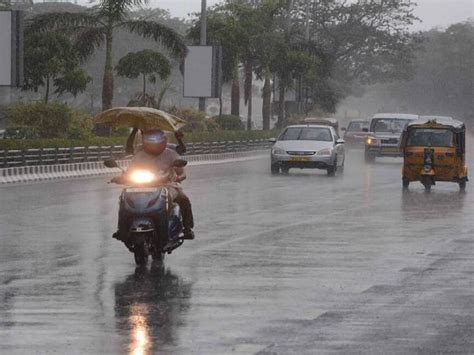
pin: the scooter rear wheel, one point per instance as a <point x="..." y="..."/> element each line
<point x="405" y="183"/>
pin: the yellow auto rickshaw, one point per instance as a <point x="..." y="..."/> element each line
<point x="434" y="149"/>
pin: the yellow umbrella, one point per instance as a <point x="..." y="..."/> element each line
<point x="144" y="118"/>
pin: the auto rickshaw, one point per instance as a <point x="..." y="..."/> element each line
<point x="434" y="149"/>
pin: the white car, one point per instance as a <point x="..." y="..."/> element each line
<point x="308" y="147"/>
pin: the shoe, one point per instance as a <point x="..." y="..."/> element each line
<point x="188" y="234"/>
<point x="116" y="236"/>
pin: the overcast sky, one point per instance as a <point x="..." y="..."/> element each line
<point x="434" y="13"/>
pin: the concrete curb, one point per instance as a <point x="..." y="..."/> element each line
<point x="65" y="171"/>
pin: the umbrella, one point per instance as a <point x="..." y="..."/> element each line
<point x="144" y="118"/>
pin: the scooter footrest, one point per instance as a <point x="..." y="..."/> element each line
<point x="172" y="245"/>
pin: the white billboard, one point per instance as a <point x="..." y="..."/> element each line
<point x="202" y="72"/>
<point x="5" y="48"/>
<point x="11" y="48"/>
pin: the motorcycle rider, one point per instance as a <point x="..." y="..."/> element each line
<point x="157" y="156"/>
<point x="180" y="148"/>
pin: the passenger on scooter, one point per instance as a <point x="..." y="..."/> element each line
<point x="157" y="157"/>
<point x="180" y="148"/>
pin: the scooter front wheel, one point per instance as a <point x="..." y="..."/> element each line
<point x="140" y="253"/>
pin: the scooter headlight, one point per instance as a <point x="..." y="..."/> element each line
<point x="142" y="177"/>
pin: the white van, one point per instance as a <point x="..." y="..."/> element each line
<point x="384" y="134"/>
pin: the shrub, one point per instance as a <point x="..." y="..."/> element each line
<point x="21" y="132"/>
<point x="229" y="122"/>
<point x="50" y="120"/>
<point x="195" y="120"/>
<point x="21" y="144"/>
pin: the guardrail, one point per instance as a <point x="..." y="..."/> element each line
<point x="97" y="168"/>
<point x="56" y="156"/>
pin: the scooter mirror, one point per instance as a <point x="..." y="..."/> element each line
<point x="110" y="163"/>
<point x="180" y="163"/>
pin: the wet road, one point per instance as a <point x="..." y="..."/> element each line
<point x="290" y="264"/>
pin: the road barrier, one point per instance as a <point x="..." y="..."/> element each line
<point x="60" y="156"/>
<point x="97" y="168"/>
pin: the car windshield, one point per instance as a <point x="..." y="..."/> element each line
<point x="430" y="137"/>
<point x="306" y="134"/>
<point x="392" y="125"/>
<point x="357" y="126"/>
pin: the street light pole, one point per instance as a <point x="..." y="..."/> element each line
<point x="203" y="42"/>
<point x="307" y="33"/>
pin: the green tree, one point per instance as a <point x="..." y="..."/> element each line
<point x="443" y="80"/>
<point x="291" y="64"/>
<point x="256" y="24"/>
<point x="147" y="63"/>
<point x="51" y="61"/>
<point x="367" y="42"/>
<point x="96" y="27"/>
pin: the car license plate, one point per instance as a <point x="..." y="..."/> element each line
<point x="391" y="149"/>
<point x="299" y="159"/>
<point x="142" y="189"/>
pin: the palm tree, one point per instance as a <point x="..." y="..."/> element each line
<point x="95" y="27"/>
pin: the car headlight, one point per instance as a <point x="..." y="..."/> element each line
<point x="371" y="141"/>
<point x="325" y="152"/>
<point x="142" y="177"/>
<point x="278" y="151"/>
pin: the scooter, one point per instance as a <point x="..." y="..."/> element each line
<point x="154" y="224"/>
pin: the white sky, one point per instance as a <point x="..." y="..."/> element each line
<point x="434" y="13"/>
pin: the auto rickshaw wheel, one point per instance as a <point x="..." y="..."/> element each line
<point x="405" y="183"/>
<point x="275" y="169"/>
<point x="462" y="185"/>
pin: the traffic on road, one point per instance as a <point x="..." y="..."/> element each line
<point x="296" y="263"/>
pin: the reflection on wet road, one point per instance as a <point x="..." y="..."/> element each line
<point x="150" y="304"/>
<point x="289" y="264"/>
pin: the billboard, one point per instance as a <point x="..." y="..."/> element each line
<point x="11" y="48"/>
<point x="202" y="71"/>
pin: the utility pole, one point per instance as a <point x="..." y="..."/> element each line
<point x="307" y="36"/>
<point x="304" y="88"/>
<point x="202" y="100"/>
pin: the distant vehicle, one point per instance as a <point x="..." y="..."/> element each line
<point x="323" y="121"/>
<point x="355" y="135"/>
<point x="434" y="149"/>
<point x="384" y="133"/>
<point x="308" y="147"/>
